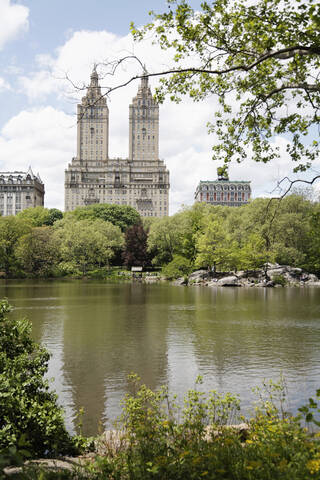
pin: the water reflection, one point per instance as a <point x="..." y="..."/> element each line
<point x="98" y="333"/>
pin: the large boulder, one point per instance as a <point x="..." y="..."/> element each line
<point x="198" y="276"/>
<point x="231" y="281"/>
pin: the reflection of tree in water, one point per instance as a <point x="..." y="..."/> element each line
<point x="234" y="337"/>
<point x="110" y="332"/>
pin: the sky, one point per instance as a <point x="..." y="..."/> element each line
<point x="43" y="41"/>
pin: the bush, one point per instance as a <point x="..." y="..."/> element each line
<point x="178" y="267"/>
<point x="29" y="413"/>
<point x="279" y="280"/>
<point x="164" y="441"/>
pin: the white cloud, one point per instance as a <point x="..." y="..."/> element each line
<point x="4" y="85"/>
<point x="184" y="143"/>
<point x="13" y="21"/>
<point x="44" y="138"/>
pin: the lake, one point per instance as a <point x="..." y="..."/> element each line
<point x="100" y="332"/>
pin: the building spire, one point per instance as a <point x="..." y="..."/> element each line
<point x="94" y="77"/>
<point x="144" y="78"/>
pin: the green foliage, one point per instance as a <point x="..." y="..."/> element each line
<point x="38" y="251"/>
<point x="30" y="419"/>
<point x="178" y="267"/>
<point x="165" y="238"/>
<point x="85" y="244"/>
<point x="122" y="216"/>
<point x="215" y="247"/>
<point x="257" y="59"/>
<point x="311" y="411"/>
<point x="135" y="248"/>
<point x="40" y="216"/>
<point x="279" y="280"/>
<point x="164" y="440"/>
<point x="11" y="229"/>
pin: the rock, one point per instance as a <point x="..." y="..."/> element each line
<point x="151" y="279"/>
<point x="241" y="274"/>
<point x="270" y="284"/>
<point x="261" y="284"/>
<point x="180" y="281"/>
<point x="199" y="275"/>
<point x="276" y="271"/>
<point x="310" y="283"/>
<point x="295" y="272"/>
<point x="231" y="281"/>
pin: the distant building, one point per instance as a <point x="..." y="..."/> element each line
<point x="142" y="180"/>
<point x="20" y="190"/>
<point x="223" y="192"/>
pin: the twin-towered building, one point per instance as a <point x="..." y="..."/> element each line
<point x="141" y="180"/>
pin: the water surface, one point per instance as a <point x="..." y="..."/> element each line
<point x="234" y="337"/>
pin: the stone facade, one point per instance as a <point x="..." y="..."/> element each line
<point x="141" y="180"/>
<point x="20" y="190"/>
<point x="223" y="192"/>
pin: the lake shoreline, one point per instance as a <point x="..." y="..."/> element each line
<point x="273" y="275"/>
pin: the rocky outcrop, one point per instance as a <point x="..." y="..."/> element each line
<point x="272" y="275"/>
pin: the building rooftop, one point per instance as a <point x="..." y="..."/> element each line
<point x="18" y="175"/>
<point x="222" y="180"/>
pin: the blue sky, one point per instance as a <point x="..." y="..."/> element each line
<point x="43" y="40"/>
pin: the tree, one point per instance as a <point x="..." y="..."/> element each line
<point x="38" y="251"/>
<point x="166" y="237"/>
<point x="135" y="250"/>
<point x="254" y="254"/>
<point x="262" y="61"/>
<point x="122" y="216"/>
<point x="29" y="413"/>
<point x="178" y="267"/>
<point x="215" y="247"/>
<point x="11" y="229"/>
<point x="39" y="216"/>
<point x="86" y="244"/>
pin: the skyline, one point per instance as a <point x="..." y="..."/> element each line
<point x="41" y="42"/>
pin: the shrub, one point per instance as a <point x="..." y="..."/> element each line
<point x="164" y="441"/>
<point x="28" y="410"/>
<point x="279" y="280"/>
<point x="178" y="267"/>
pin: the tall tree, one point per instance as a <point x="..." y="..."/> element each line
<point x="11" y="229"/>
<point x="39" y="216"/>
<point x="38" y="251"/>
<point x="135" y="249"/>
<point x="262" y="61"/>
<point x="86" y="244"/>
<point x="122" y="216"/>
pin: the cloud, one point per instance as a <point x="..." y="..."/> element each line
<point x="4" y="85"/>
<point x="13" y="21"/>
<point x="45" y="139"/>
<point x="49" y="143"/>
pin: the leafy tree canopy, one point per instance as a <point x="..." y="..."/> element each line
<point x="38" y="251"/>
<point x="87" y="243"/>
<point x="135" y="249"/>
<point x="11" y="229"/>
<point x="39" y="216"/>
<point x="122" y="216"/>
<point x="262" y="61"/>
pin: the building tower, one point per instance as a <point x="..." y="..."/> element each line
<point x="142" y="180"/>
<point x="144" y="125"/>
<point x="93" y="125"/>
